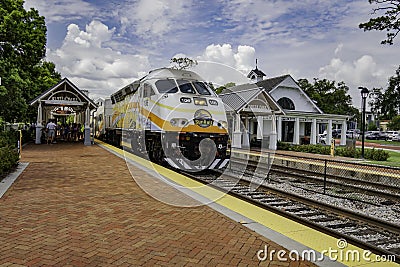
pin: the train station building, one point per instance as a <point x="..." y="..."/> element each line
<point x="62" y="100"/>
<point x="265" y="111"/>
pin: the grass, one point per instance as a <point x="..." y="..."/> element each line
<point x="383" y="142"/>
<point x="393" y="160"/>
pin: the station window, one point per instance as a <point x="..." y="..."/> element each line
<point x="166" y="86"/>
<point x="286" y="103"/>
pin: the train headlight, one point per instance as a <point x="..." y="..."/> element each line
<point x="222" y="124"/>
<point x="179" y="122"/>
<point x="200" y="101"/>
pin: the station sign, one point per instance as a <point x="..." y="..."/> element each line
<point x="64" y="98"/>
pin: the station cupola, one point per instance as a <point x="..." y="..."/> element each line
<point x="256" y="75"/>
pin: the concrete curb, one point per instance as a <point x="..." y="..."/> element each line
<point x="6" y="183"/>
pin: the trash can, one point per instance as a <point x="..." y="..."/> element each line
<point x="351" y="143"/>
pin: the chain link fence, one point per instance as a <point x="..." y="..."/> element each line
<point x="338" y="178"/>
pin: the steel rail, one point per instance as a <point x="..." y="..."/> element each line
<point x="337" y="211"/>
<point x="310" y="175"/>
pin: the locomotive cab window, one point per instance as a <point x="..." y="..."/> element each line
<point x="166" y="86"/>
<point x="186" y="87"/>
<point x="201" y="88"/>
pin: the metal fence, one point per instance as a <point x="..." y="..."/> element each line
<point x="339" y="178"/>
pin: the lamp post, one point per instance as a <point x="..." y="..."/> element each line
<point x="364" y="95"/>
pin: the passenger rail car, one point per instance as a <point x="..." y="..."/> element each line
<point x="171" y="116"/>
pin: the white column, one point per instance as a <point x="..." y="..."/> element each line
<point x="329" y="133"/>
<point x="39" y="125"/>
<point x="279" y="128"/>
<point x="343" y="135"/>
<point x="237" y="135"/>
<point x="296" y="134"/>
<point x="313" y="137"/>
<point x="246" y="134"/>
<point x="87" y="117"/>
<point x="87" y="141"/>
<point x="273" y="134"/>
<point x="260" y="128"/>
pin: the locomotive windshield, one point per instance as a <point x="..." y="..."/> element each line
<point x="185" y="86"/>
<point x="166" y="86"/>
<point x="201" y="88"/>
<point x="193" y="87"/>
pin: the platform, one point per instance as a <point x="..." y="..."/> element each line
<point x="78" y="205"/>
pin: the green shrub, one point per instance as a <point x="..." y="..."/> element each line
<point x="376" y="154"/>
<point x="8" y="159"/>
<point x="316" y="149"/>
<point x="347" y="152"/>
<point x="371" y="154"/>
<point x="8" y="151"/>
<point x="283" y="146"/>
<point x="8" y="138"/>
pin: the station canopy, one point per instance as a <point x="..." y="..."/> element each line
<point x="64" y="99"/>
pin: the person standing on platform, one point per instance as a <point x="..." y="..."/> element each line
<point x="51" y="131"/>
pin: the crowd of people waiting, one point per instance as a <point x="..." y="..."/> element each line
<point x="73" y="132"/>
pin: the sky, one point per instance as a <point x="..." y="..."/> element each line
<point x="102" y="46"/>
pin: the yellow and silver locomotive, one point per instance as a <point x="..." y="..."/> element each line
<point x="172" y="117"/>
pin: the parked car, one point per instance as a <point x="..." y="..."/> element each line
<point x="376" y="136"/>
<point x="353" y="133"/>
<point x="392" y="134"/>
<point x="396" y="138"/>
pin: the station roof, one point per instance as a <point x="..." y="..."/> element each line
<point x="271" y="83"/>
<point x="65" y="93"/>
<point x="237" y="98"/>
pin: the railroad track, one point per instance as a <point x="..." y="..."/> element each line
<point x="342" y="185"/>
<point x="378" y="236"/>
<point x="361" y="169"/>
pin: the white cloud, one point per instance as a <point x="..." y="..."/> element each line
<point x="243" y="60"/>
<point x="61" y="10"/>
<point x="338" y="49"/>
<point x="152" y="19"/>
<point x="85" y="59"/>
<point x="364" y="70"/>
<point x="221" y="64"/>
<point x="305" y="38"/>
<point x="286" y="22"/>
<point x="219" y="53"/>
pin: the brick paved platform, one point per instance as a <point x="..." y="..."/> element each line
<point x="79" y="206"/>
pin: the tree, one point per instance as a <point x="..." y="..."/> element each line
<point x="329" y="97"/>
<point x="372" y="126"/>
<point x="375" y="102"/>
<point x="219" y="90"/>
<point x="389" y="21"/>
<point x="23" y="71"/>
<point x="394" y="124"/>
<point x="387" y="103"/>
<point x="183" y="63"/>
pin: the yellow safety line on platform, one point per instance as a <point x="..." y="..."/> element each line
<point x="331" y="165"/>
<point x="305" y="235"/>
